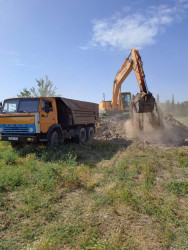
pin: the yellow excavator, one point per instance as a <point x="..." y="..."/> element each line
<point x="143" y="102"/>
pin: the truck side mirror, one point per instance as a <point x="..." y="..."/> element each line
<point x="47" y="109"/>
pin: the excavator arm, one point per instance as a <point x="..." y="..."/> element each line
<point x="119" y="79"/>
<point x="145" y="101"/>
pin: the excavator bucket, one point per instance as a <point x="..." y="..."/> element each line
<point x="143" y="103"/>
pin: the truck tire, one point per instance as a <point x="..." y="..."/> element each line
<point x="90" y="133"/>
<point x="82" y="135"/>
<point x="53" y="140"/>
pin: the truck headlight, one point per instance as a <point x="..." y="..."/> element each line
<point x="31" y="130"/>
<point x="1" y="129"/>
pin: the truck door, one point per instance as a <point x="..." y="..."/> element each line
<point x="48" y="114"/>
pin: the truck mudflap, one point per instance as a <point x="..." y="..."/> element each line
<point x="18" y="138"/>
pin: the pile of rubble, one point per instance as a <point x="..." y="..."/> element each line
<point x="108" y="130"/>
<point x="171" y="120"/>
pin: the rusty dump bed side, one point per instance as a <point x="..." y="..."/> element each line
<point x="82" y="112"/>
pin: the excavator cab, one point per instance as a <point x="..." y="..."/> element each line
<point x="124" y="101"/>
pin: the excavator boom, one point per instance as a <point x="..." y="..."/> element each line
<point x="143" y="102"/>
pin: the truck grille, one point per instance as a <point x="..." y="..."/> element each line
<point x="19" y="128"/>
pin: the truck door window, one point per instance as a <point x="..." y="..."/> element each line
<point x="43" y="106"/>
<point x="50" y="106"/>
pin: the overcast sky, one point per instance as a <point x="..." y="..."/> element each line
<point x="81" y="44"/>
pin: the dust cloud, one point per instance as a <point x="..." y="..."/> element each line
<point x="170" y="132"/>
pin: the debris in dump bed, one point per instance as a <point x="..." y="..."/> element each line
<point x="173" y="133"/>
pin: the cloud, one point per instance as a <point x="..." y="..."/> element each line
<point x="134" y="30"/>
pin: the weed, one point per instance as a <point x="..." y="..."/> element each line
<point x="167" y="237"/>
<point x="149" y="173"/>
<point x="183" y="159"/>
<point x="10" y="157"/>
<point x="130" y="199"/>
<point x="100" y="200"/>
<point x="178" y="187"/>
<point x="35" y="200"/>
<point x="91" y="238"/>
<point x="11" y="178"/>
<point x="59" y="233"/>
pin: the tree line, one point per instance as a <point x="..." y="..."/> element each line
<point x="176" y="109"/>
<point x="46" y="88"/>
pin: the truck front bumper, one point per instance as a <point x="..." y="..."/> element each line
<point x="18" y="138"/>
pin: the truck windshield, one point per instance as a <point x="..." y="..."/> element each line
<point x="25" y="105"/>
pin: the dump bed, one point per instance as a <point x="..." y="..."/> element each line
<point x="82" y="112"/>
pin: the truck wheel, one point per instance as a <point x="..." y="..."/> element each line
<point x="54" y="140"/>
<point x="90" y="133"/>
<point x="82" y="135"/>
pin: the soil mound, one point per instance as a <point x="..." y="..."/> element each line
<point x="108" y="130"/>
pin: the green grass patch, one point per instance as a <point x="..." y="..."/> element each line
<point x="178" y="187"/>
<point x="183" y="159"/>
<point x="95" y="196"/>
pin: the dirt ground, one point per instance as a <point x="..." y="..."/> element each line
<point x="173" y="133"/>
